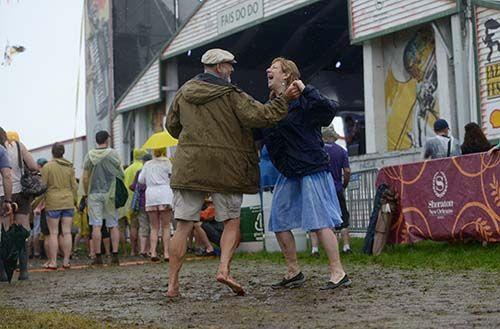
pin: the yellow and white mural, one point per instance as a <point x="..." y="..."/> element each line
<point x="410" y="87"/>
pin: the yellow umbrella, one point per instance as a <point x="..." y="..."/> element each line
<point x="160" y="140"/>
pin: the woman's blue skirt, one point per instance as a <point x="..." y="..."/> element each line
<point x="309" y="202"/>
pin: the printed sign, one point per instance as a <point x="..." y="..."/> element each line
<point x="239" y="15"/>
<point x="493" y="80"/>
<point x="488" y="55"/>
<point x="252" y="225"/>
<point x="432" y="204"/>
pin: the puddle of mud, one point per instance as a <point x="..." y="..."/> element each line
<point x="379" y="297"/>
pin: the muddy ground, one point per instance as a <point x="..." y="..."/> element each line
<point x="379" y="298"/>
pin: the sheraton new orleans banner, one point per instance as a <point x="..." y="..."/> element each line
<point x="446" y="199"/>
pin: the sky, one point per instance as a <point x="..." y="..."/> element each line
<point x="38" y="90"/>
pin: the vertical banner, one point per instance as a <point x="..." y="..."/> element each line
<point x="488" y="60"/>
<point x="411" y="90"/>
<point x="98" y="65"/>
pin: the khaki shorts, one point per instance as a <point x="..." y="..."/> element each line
<point x="187" y="205"/>
<point x="97" y="211"/>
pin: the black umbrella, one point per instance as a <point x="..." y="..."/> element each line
<point x="12" y="242"/>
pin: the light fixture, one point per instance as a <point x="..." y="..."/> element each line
<point x="338" y="64"/>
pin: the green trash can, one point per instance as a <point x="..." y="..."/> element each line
<point x="252" y="224"/>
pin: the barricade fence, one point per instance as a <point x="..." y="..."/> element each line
<point x="359" y="198"/>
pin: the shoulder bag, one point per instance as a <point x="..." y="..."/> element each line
<point x="31" y="182"/>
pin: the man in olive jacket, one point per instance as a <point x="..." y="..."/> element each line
<point x="216" y="155"/>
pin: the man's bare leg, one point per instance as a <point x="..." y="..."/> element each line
<point x="229" y="242"/>
<point x="286" y="241"/>
<point x="177" y="251"/>
<point x="96" y="238"/>
<point x="115" y="238"/>
<point x="330" y="244"/>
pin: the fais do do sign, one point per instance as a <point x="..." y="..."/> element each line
<point x="241" y="14"/>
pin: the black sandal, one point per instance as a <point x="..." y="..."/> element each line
<point x="344" y="282"/>
<point x="294" y="282"/>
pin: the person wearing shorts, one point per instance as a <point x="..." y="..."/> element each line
<point x="60" y="200"/>
<point x="156" y="176"/>
<point x="213" y="122"/>
<point x="102" y="168"/>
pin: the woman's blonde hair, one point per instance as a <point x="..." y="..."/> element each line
<point x="288" y="67"/>
<point x="160" y="152"/>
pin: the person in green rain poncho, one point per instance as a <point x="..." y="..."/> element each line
<point x="102" y="168"/>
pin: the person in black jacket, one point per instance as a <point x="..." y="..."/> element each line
<point x="474" y="141"/>
<point x="304" y="194"/>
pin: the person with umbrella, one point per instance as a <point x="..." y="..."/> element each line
<point x="156" y="176"/>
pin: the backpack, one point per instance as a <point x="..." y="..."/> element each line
<point x="121" y="193"/>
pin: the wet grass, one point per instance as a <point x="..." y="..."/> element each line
<point x="26" y="319"/>
<point x="424" y="255"/>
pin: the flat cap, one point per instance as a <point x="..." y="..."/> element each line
<point x="217" y="56"/>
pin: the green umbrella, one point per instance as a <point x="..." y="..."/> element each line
<point x="12" y="242"/>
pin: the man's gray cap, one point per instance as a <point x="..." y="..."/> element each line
<point x="330" y="133"/>
<point x="217" y="56"/>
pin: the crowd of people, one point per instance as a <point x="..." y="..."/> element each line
<point x="69" y="212"/>
<point x="199" y="193"/>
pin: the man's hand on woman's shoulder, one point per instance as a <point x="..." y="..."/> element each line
<point x="292" y="92"/>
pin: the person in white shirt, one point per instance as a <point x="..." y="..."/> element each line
<point x="443" y="145"/>
<point x="156" y="176"/>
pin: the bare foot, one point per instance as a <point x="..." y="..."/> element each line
<point x="231" y="283"/>
<point x="173" y="294"/>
